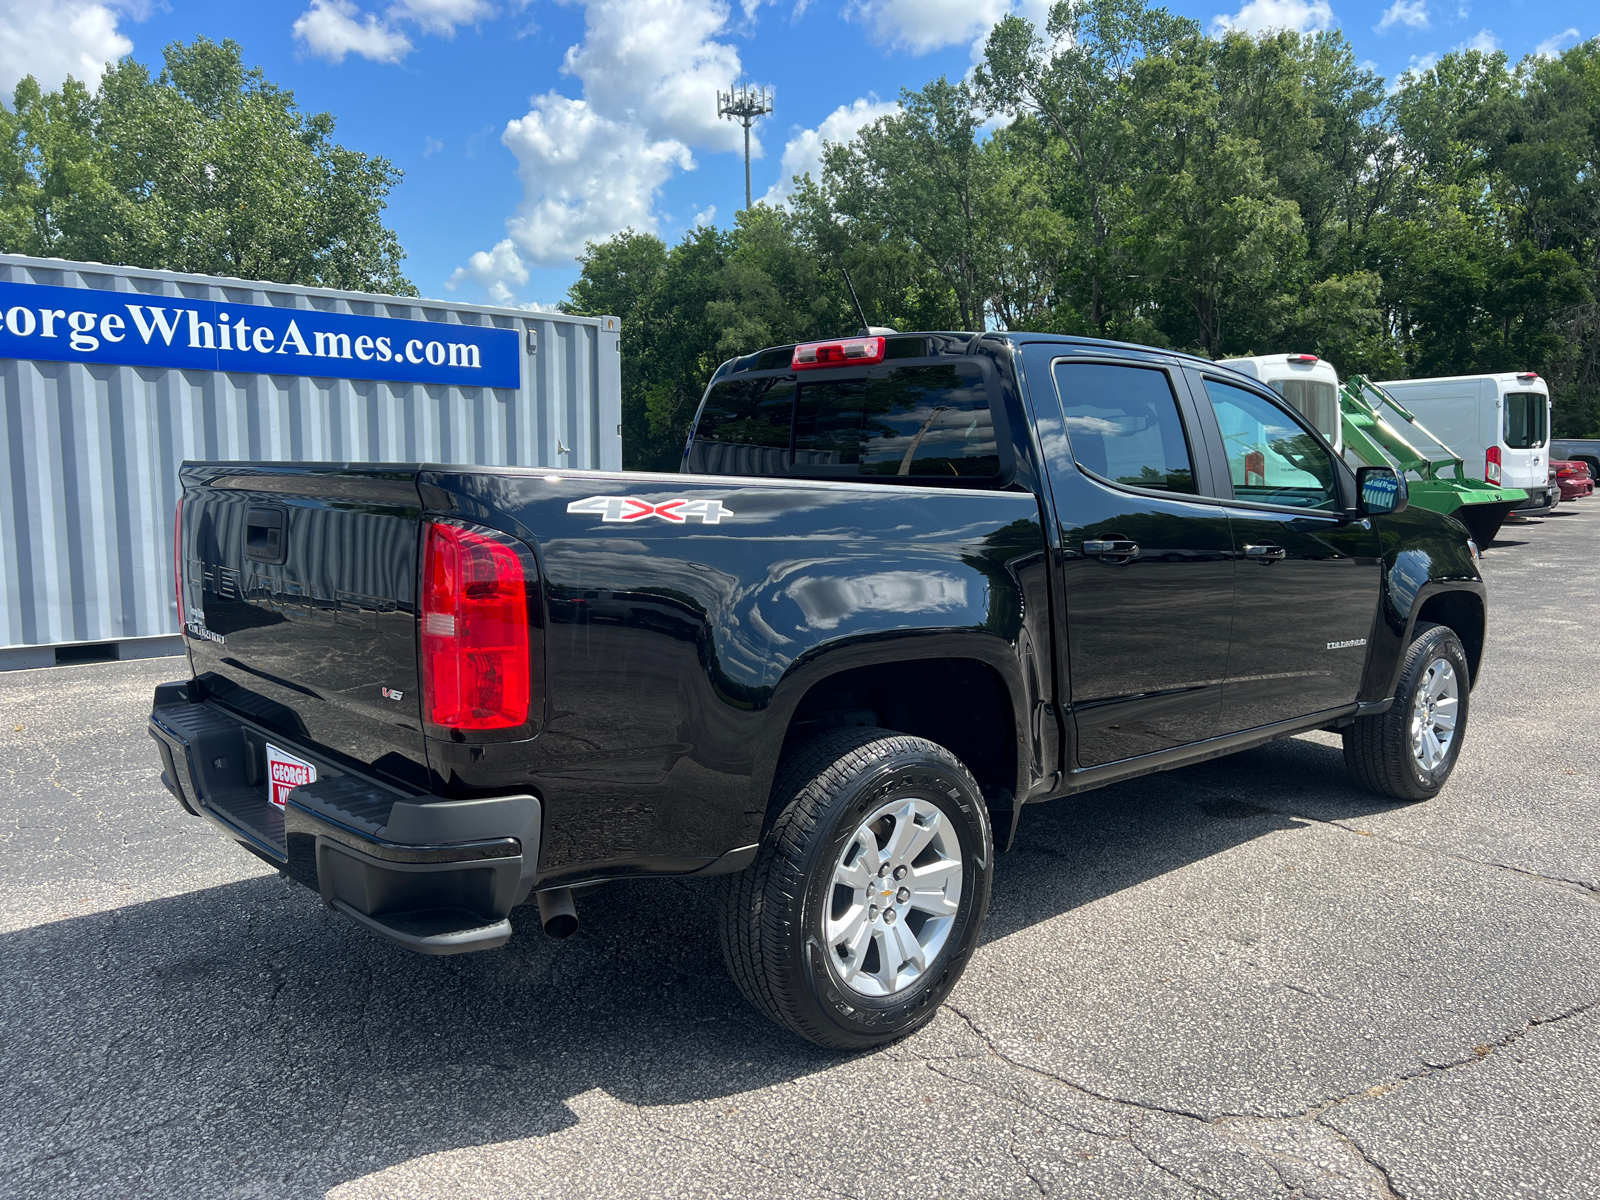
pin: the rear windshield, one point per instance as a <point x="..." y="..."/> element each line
<point x="916" y="421"/>
<point x="1525" y="420"/>
<point x="1314" y="399"/>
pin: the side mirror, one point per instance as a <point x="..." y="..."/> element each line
<point x="1383" y="490"/>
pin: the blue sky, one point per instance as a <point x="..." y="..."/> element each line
<point x="525" y="127"/>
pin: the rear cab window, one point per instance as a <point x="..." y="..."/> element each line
<point x="915" y="420"/>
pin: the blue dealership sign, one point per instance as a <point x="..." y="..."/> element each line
<point x="59" y="324"/>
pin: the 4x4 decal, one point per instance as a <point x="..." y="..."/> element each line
<point x="615" y="509"/>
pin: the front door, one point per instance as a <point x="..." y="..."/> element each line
<point x="1308" y="574"/>
<point x="1147" y="569"/>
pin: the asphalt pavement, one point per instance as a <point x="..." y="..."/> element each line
<point x="1244" y="979"/>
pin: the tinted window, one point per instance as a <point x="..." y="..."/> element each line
<point x="1123" y="425"/>
<point x="827" y="426"/>
<point x="929" y="421"/>
<point x="1271" y="458"/>
<point x="744" y="428"/>
<point x="1314" y="399"/>
<point x="1525" y="420"/>
<point x="914" y="421"/>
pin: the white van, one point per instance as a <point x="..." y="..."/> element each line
<point x="1308" y="383"/>
<point x="1500" y="424"/>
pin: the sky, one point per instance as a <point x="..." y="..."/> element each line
<point x="527" y="127"/>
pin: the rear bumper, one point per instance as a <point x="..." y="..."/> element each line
<point x="436" y="876"/>
<point x="1538" y="502"/>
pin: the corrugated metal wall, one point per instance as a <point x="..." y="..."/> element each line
<point x="89" y="454"/>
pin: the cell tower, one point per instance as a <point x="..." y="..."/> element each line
<point x="744" y="106"/>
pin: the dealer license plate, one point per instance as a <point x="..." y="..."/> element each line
<point x="284" y="773"/>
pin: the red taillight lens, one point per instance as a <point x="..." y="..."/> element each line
<point x="1302" y="358"/>
<point x="177" y="562"/>
<point x="847" y="353"/>
<point x="1491" y="465"/>
<point x="476" y="668"/>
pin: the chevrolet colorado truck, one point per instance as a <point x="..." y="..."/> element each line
<point x="903" y="587"/>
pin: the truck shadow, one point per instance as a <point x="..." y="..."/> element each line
<point x="243" y="1040"/>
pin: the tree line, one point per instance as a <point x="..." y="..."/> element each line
<point x="1119" y="174"/>
<point x="1116" y="174"/>
<point x="206" y="167"/>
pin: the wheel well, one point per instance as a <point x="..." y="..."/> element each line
<point x="960" y="703"/>
<point x="1462" y="612"/>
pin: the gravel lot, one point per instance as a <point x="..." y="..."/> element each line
<point x="1243" y="979"/>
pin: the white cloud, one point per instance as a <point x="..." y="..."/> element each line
<point x="657" y="63"/>
<point x="584" y="177"/>
<point x="592" y="166"/>
<point x="1554" y="44"/>
<point x="1404" y="12"/>
<point x="923" y="25"/>
<point x="491" y="269"/>
<point x="803" y="151"/>
<point x="1483" y="41"/>
<point x="441" y="16"/>
<point x="331" y="29"/>
<point x="431" y="146"/>
<point x="706" y="216"/>
<point x="51" y="39"/>
<point x="1258" y="16"/>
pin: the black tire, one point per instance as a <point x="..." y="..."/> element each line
<point x="1378" y="750"/>
<point x="772" y="914"/>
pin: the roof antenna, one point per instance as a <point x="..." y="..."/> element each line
<point x="866" y="330"/>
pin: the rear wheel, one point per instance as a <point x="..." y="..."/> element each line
<point x="1409" y="751"/>
<point x="867" y="896"/>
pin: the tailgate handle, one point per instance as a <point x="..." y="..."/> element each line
<point x="264" y="539"/>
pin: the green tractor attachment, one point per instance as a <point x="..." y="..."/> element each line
<point x="1379" y="432"/>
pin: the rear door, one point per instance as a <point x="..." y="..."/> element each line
<point x="1147" y="561"/>
<point x="300" y="606"/>
<point x="1524" y="438"/>
<point x="1308" y="574"/>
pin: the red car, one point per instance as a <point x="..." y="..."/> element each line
<point x="1573" y="478"/>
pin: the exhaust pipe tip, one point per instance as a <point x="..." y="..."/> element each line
<point x="557" y="913"/>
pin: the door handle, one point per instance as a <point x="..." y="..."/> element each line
<point x="1111" y="547"/>
<point x="1266" y="552"/>
<point x="265" y="539"/>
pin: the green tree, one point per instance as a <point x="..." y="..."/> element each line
<point x="208" y="167"/>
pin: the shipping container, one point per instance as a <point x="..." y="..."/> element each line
<point x="113" y="376"/>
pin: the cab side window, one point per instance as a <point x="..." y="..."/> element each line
<point x="1122" y="424"/>
<point x="1271" y="458"/>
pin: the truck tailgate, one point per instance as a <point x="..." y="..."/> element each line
<point x="299" y="602"/>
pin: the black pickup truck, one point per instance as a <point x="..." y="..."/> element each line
<point x="904" y="586"/>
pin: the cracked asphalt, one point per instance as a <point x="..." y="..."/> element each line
<point x="1245" y="979"/>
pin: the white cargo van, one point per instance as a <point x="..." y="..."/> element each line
<point x="1500" y="424"/>
<point x="1308" y="383"/>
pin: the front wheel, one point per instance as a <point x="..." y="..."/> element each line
<point x="869" y="891"/>
<point x="1409" y="751"/>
